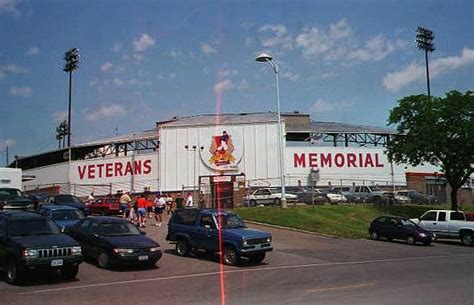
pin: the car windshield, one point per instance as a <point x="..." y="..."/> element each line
<point x="66" y="199"/>
<point x="230" y="221"/>
<point x="407" y="223"/>
<point x="10" y="193"/>
<point x="67" y="215"/>
<point x="121" y="228"/>
<point x="32" y="227"/>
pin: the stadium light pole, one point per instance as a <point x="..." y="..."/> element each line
<point x="424" y="41"/>
<point x="72" y="63"/>
<point x="267" y="58"/>
<point x="194" y="149"/>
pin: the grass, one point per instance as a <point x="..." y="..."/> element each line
<point x="350" y="221"/>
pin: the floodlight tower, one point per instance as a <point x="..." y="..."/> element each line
<point x="72" y="63"/>
<point x="424" y="41"/>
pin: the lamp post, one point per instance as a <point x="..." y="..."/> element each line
<point x="267" y="58"/>
<point x="72" y="63"/>
<point x="194" y="149"/>
<point x="424" y="41"/>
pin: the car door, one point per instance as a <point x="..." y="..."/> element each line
<point x="206" y="233"/>
<point x="80" y="232"/>
<point x="429" y="221"/>
<point x="391" y="228"/>
<point x="442" y="224"/>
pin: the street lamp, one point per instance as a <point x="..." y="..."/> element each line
<point x="72" y="63"/>
<point x="194" y="149"/>
<point x="267" y="58"/>
<point x="424" y="41"/>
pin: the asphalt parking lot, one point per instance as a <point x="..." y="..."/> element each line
<point x="302" y="269"/>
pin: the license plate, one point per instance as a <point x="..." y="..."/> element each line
<point x="258" y="247"/>
<point x="56" y="262"/>
<point x="143" y="258"/>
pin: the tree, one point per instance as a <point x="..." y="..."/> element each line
<point x="439" y="131"/>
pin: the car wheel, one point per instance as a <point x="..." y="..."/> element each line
<point x="182" y="247"/>
<point x="410" y="240"/>
<point x="231" y="257"/>
<point x="467" y="239"/>
<point x="14" y="276"/>
<point x="253" y="203"/>
<point x="276" y="201"/>
<point x="103" y="260"/>
<point x="374" y="236"/>
<point x="70" y="272"/>
<point x="258" y="258"/>
<point x="427" y="243"/>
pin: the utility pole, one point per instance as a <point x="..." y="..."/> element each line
<point x="424" y="41"/>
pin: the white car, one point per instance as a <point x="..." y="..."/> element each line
<point x="268" y="196"/>
<point x="334" y="197"/>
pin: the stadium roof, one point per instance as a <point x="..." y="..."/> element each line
<point x="221" y="119"/>
<point x="126" y="138"/>
<point x="333" y="127"/>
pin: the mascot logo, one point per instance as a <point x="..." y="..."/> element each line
<point x="221" y="151"/>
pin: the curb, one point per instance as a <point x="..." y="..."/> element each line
<point x="293" y="229"/>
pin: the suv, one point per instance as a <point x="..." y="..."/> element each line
<point x="13" y="199"/>
<point x="31" y="242"/>
<point x="199" y="229"/>
<point x="68" y="200"/>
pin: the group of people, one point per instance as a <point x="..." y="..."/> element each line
<point x="137" y="209"/>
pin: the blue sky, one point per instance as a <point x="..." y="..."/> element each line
<point x="144" y="61"/>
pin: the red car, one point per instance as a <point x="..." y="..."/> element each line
<point x="104" y="206"/>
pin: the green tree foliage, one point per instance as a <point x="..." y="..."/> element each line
<point x="439" y="131"/>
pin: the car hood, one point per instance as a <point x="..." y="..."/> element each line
<point x="45" y="241"/>
<point x="18" y="201"/>
<point x="246" y="233"/>
<point x="66" y="223"/>
<point x="132" y="241"/>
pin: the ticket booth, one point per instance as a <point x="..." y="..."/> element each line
<point x="226" y="191"/>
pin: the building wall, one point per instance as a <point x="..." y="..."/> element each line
<point x="254" y="151"/>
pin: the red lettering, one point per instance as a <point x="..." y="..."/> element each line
<point x="368" y="160"/>
<point x="81" y="172"/>
<point x="299" y="161"/>
<point x="361" y="161"/>
<point x="326" y="160"/>
<point x="147" y="167"/>
<point x="128" y="169"/>
<point x="313" y="160"/>
<point x="351" y="160"/>
<point x="109" y="170"/>
<point x="339" y="160"/>
<point x="99" y="167"/>
<point x="118" y="169"/>
<point x="91" y="171"/>
<point x="138" y="167"/>
<point x="377" y="163"/>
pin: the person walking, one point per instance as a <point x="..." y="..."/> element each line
<point x="160" y="206"/>
<point x="124" y="202"/>
<point x="169" y="203"/>
<point x="189" y="201"/>
<point x="142" y="205"/>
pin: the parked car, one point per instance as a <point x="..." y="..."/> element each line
<point x="30" y="242"/>
<point x="104" y="206"/>
<point x="68" y="200"/>
<point x="12" y="199"/>
<point x="199" y="229"/>
<point x="392" y="227"/>
<point x="268" y="196"/>
<point x="334" y="196"/>
<point x="418" y="198"/>
<point x="312" y="197"/>
<point x="62" y="215"/>
<point x="113" y="241"/>
<point x="448" y="224"/>
<point x="38" y="199"/>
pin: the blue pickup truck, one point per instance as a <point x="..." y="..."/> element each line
<point x="199" y="229"/>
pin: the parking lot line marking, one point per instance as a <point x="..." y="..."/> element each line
<point x="340" y="288"/>
<point x="204" y="274"/>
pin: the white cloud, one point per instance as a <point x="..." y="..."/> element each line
<point x="20" y="91"/>
<point x="277" y="35"/>
<point x="117" y="47"/>
<point x="248" y="41"/>
<point x="106" y="111"/>
<point x="290" y="76"/>
<point x="32" y="51"/>
<point x="227" y="72"/>
<point x="324" y="106"/>
<point x="11" y="69"/>
<point x="207" y="48"/>
<point x="137" y="56"/>
<point x="106" y="66"/>
<point x="8" y="142"/>
<point x="59" y="116"/>
<point x="172" y="76"/>
<point x="10" y="6"/>
<point x="243" y="85"/>
<point x="222" y="86"/>
<point x="175" y="54"/>
<point x="143" y="43"/>
<point x="339" y="44"/>
<point x="93" y="83"/>
<point x="118" y="82"/>
<point x="415" y="72"/>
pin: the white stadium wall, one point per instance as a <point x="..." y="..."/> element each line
<point x="254" y="152"/>
<point x="346" y="165"/>
<point x="46" y="176"/>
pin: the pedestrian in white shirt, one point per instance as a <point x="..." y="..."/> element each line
<point x="189" y="201"/>
<point x="160" y="207"/>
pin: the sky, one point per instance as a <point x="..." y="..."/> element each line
<point x="145" y="61"/>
